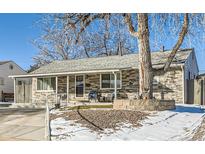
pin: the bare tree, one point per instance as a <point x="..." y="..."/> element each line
<point x="145" y="64"/>
<point x="143" y="36"/>
<point x="95" y="34"/>
<point x="55" y="43"/>
<point x="64" y="37"/>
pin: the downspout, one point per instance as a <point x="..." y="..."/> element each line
<point x="183" y="84"/>
<point x="203" y="91"/>
<point x="56" y="89"/>
<point x="67" y="88"/>
<point x="14" y="90"/>
<point x="115" y="92"/>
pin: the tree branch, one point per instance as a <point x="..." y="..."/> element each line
<point x="87" y="20"/>
<point x="128" y="20"/>
<point x="176" y="47"/>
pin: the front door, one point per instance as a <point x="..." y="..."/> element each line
<point x="79" y="86"/>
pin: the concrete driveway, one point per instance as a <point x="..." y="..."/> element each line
<point x="22" y="124"/>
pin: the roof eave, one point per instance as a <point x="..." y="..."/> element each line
<point x="63" y="73"/>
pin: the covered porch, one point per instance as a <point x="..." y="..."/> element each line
<point x="72" y="87"/>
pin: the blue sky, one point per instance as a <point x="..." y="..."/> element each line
<point x="17" y="30"/>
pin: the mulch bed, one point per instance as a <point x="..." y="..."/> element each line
<point x="99" y="120"/>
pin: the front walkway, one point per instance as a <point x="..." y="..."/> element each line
<point x="22" y="124"/>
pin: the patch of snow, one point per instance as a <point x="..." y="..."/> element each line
<point x="69" y="130"/>
<point x="178" y="124"/>
<point x="6" y="102"/>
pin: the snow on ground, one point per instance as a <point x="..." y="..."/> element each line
<point x="178" y="124"/>
<point x="6" y="103"/>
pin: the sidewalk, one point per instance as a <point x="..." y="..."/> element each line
<point x="21" y="125"/>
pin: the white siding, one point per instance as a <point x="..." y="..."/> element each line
<point x="191" y="70"/>
<point x="5" y="71"/>
<point x="191" y="67"/>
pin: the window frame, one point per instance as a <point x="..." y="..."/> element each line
<point x="54" y="90"/>
<point x="114" y="80"/>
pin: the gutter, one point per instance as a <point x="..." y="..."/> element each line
<point x="84" y="72"/>
<point x="183" y="84"/>
<point x="63" y="73"/>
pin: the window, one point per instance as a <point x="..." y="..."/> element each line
<point x="108" y="81"/>
<point x="20" y="83"/>
<point x="1" y="81"/>
<point x="11" y="67"/>
<point x="46" y="83"/>
<point x="79" y="86"/>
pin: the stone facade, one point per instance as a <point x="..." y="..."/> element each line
<point x="129" y="82"/>
<point x="62" y="84"/>
<point x="42" y="96"/>
<point x="144" y="105"/>
<point x="62" y="88"/>
<point x="71" y="87"/>
<point x="168" y="86"/>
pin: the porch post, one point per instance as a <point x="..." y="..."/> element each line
<point x="14" y="90"/>
<point x="204" y="91"/>
<point x="115" y="92"/>
<point x="56" y="89"/>
<point x="67" y="88"/>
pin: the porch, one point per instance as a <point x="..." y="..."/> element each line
<point x="74" y="88"/>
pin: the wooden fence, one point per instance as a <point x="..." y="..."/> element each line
<point x="7" y="97"/>
<point x="195" y="91"/>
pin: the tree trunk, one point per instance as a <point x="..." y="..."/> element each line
<point x="145" y="64"/>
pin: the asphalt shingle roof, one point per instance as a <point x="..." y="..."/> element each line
<point x="108" y="63"/>
<point x="4" y="62"/>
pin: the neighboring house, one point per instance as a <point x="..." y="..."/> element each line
<point x="76" y="78"/>
<point x="8" y="68"/>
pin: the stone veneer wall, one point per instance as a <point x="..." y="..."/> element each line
<point x="143" y="105"/>
<point x="40" y="97"/>
<point x="62" y="88"/>
<point x="71" y="87"/>
<point x="168" y="86"/>
<point x="92" y="82"/>
<point x="62" y="84"/>
<point x="130" y="83"/>
<point x="129" y="87"/>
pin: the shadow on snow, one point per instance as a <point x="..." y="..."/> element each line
<point x="189" y="109"/>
